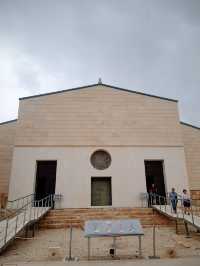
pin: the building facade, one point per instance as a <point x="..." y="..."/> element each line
<point x="98" y="146"/>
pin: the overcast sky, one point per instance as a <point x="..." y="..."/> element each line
<point x="152" y="46"/>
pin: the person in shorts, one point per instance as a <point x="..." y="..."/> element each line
<point x="186" y="201"/>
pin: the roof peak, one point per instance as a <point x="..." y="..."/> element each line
<point x="97" y="84"/>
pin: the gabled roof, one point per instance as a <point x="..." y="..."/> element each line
<point x="189" y="125"/>
<point x="97" y="84"/>
<point x="7" y="122"/>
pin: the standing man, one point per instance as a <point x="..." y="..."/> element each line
<point x="152" y="195"/>
<point x="174" y="199"/>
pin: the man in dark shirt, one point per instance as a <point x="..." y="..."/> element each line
<point x="152" y="195"/>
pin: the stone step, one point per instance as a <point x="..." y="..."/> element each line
<point x="69" y="219"/>
<point x="62" y="218"/>
<point x="100" y="213"/>
<point x="79" y="222"/>
<point x="59" y="226"/>
<point x="87" y="217"/>
<point x="104" y="209"/>
<point x="97" y="213"/>
<point x="81" y="225"/>
<point x="97" y="210"/>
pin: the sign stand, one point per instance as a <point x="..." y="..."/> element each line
<point x="140" y="246"/>
<point x="88" y="248"/>
<point x="154" y="244"/>
<point x="70" y="258"/>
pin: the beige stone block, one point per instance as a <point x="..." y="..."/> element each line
<point x="191" y="138"/>
<point x="98" y="115"/>
<point x="7" y="135"/>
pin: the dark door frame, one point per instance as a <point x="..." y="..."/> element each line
<point x="36" y="176"/>
<point x="101" y="177"/>
<point x="163" y="172"/>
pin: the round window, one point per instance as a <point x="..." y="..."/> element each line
<point x="100" y="159"/>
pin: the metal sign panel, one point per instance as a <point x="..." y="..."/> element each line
<point x="125" y="227"/>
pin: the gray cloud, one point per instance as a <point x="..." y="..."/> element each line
<point x="146" y="45"/>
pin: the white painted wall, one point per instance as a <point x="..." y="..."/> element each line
<point x="74" y="172"/>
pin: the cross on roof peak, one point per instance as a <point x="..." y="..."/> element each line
<point x="99" y="81"/>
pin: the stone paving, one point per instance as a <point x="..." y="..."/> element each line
<point x="165" y="262"/>
<point x="40" y="249"/>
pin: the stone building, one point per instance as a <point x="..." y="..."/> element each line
<point x="98" y="145"/>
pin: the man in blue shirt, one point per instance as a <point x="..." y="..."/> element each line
<point x="174" y="199"/>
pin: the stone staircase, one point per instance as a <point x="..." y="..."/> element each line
<point x="62" y="218"/>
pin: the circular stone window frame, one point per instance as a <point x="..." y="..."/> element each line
<point x="95" y="164"/>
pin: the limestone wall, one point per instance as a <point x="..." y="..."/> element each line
<point x="74" y="172"/>
<point x="7" y="134"/>
<point x="191" y="138"/>
<point x="98" y="115"/>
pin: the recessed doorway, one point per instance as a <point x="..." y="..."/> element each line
<point x="155" y="175"/>
<point x="45" y="179"/>
<point x="101" y="194"/>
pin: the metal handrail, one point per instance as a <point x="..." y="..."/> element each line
<point x="32" y="200"/>
<point x="20" y="216"/>
<point x="15" y="204"/>
<point x="21" y="197"/>
<point x="165" y="201"/>
<point x="16" y="211"/>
